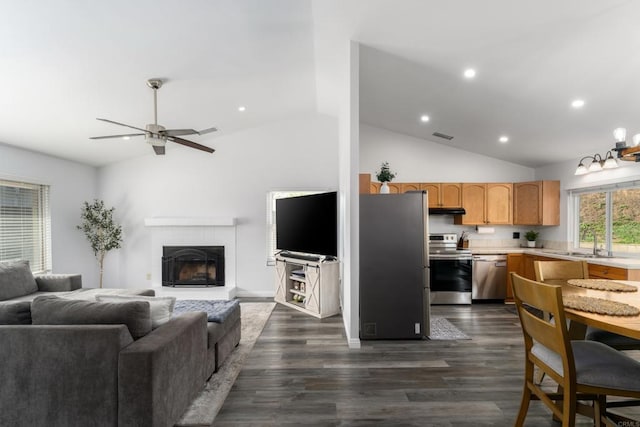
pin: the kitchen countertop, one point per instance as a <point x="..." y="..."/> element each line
<point x="620" y="262"/>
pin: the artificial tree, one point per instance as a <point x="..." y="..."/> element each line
<point x="103" y="233"/>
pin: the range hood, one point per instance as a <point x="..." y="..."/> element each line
<point x="447" y="211"/>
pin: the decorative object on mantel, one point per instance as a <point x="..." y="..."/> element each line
<point x="101" y="230"/>
<point x="384" y="176"/>
<point x="531" y="237"/>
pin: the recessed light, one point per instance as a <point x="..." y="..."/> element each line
<point x="242" y="108"/>
<point x="469" y="73"/>
<point x="126" y="137"/>
<point x="577" y="103"/>
<point x="424" y="118"/>
<point x="503" y="139"/>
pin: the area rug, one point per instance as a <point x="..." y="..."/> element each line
<point x="205" y="407"/>
<point x="442" y="329"/>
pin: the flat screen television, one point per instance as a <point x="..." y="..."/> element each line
<point x="308" y="224"/>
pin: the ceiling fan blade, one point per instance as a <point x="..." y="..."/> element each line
<point x="209" y="130"/>
<point x="191" y="144"/>
<point x="178" y="132"/>
<point x="159" y="149"/>
<point x="116" y="136"/>
<point x="121" y="124"/>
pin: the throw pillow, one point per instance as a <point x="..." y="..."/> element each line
<point x="16" y="280"/>
<point x="53" y="310"/>
<point x="15" y="313"/>
<point x="161" y="307"/>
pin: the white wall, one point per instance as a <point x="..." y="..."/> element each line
<point x="628" y="171"/>
<point x="71" y="184"/>
<point x="233" y="181"/>
<point x="419" y="160"/>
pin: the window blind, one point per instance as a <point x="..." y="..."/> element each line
<point x="25" y="224"/>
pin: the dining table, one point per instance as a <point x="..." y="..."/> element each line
<point x="623" y="325"/>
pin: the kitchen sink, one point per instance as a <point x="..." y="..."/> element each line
<point x="582" y="255"/>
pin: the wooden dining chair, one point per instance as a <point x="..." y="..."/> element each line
<point x="583" y="370"/>
<point x="558" y="272"/>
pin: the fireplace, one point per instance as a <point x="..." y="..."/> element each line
<point x="192" y="266"/>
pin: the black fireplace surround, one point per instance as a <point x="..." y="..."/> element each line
<point x="192" y="266"/>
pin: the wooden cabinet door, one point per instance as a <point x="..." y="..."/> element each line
<point x="409" y="186"/>
<point x="433" y="193"/>
<point x="394" y="188"/>
<point x="499" y="203"/>
<point x="527" y="203"/>
<point x="375" y="188"/>
<point x="473" y="201"/>
<point x="365" y="183"/>
<point x="514" y="264"/>
<point x="597" y="271"/>
<point x="281" y="281"/>
<point x="527" y="267"/>
<point x="450" y="195"/>
<point x="312" y="288"/>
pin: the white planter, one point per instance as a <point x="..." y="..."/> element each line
<point x="384" y="189"/>
<point x="531" y="243"/>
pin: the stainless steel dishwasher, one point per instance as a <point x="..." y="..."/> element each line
<point x="489" y="277"/>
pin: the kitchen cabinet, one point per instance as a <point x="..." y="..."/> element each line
<point x="393" y="187"/>
<point x="597" y="271"/>
<point x="409" y="186"/>
<point x="536" y="203"/>
<point x="364" y="183"/>
<point x="514" y="264"/>
<point x="486" y="204"/>
<point x="443" y="194"/>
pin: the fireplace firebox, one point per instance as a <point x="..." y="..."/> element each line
<point x="192" y="266"/>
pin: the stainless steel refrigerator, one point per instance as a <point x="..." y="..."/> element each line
<point x="394" y="266"/>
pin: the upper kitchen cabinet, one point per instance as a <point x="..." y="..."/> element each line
<point x="486" y="204"/>
<point x="409" y="186"/>
<point x="365" y="183"/>
<point x="536" y="203"/>
<point x="443" y="194"/>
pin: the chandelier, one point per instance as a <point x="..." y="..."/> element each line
<point x="597" y="162"/>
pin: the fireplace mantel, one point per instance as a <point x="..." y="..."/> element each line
<point x="221" y="221"/>
<point x="193" y="231"/>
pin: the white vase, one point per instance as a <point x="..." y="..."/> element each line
<point x="384" y="188"/>
<point x="531" y="243"/>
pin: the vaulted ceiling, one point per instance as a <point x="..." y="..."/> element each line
<point x="65" y="63"/>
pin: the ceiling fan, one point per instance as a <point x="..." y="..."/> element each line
<point x="157" y="135"/>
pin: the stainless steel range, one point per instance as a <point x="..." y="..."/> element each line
<point x="450" y="270"/>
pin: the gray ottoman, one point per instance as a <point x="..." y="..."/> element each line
<point x="223" y="328"/>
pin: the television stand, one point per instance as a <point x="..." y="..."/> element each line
<point x="310" y="286"/>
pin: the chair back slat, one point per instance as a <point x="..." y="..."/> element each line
<point x="560" y="270"/>
<point x="530" y="294"/>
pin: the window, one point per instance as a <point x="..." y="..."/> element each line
<point x="25" y="224"/>
<point x="608" y="217"/>
<point x="271" y="218"/>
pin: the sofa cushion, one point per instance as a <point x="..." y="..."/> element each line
<point x="15" y="313"/>
<point x="52" y="310"/>
<point x="16" y="280"/>
<point x="161" y="307"/>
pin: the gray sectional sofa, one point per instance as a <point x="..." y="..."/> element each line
<point x="68" y="360"/>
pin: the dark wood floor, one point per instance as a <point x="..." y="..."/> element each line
<point x="301" y="372"/>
